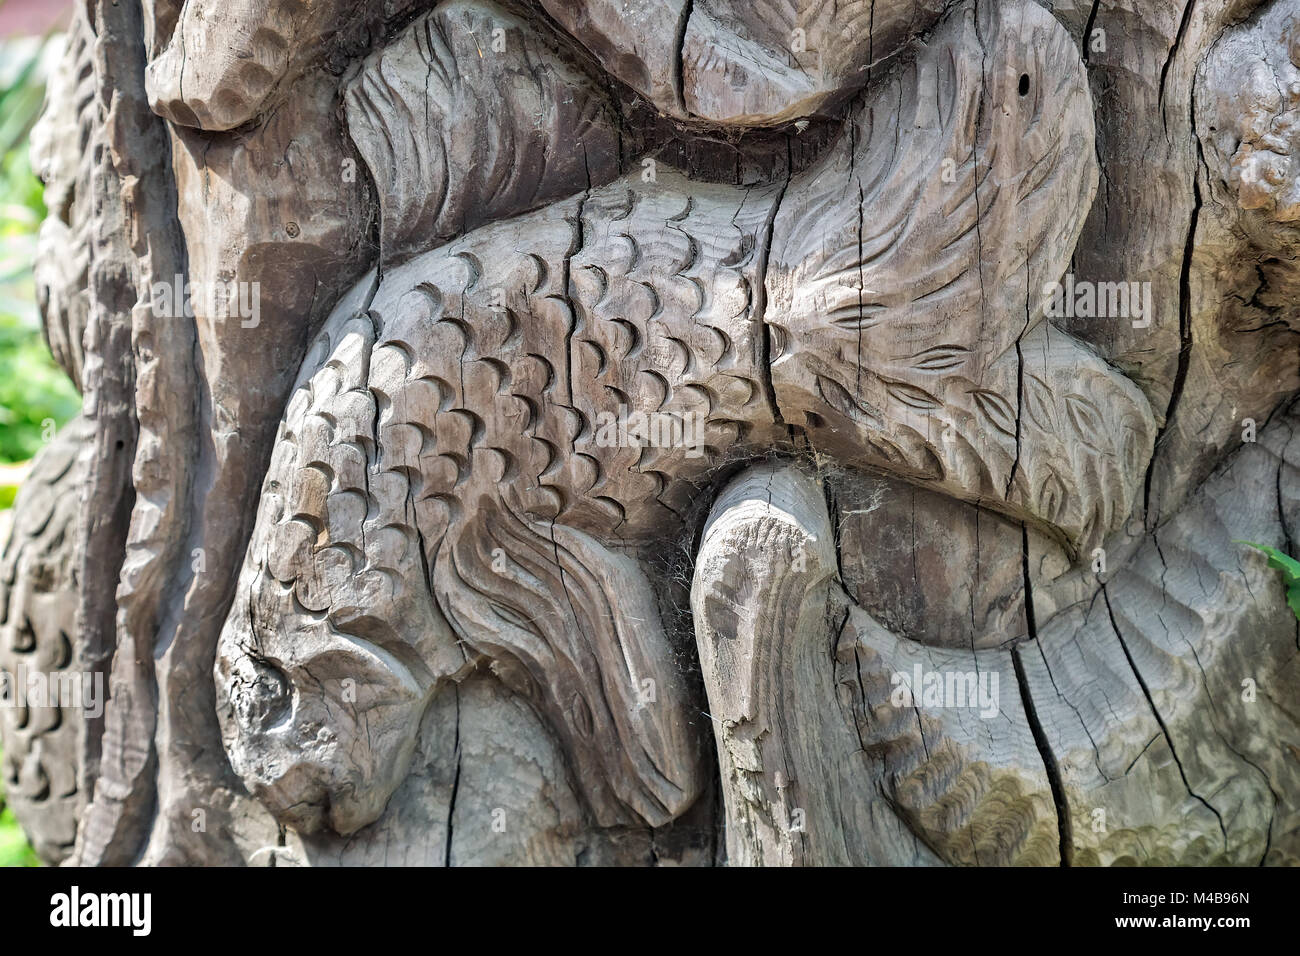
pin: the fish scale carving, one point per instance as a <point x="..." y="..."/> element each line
<point x="443" y="415"/>
<point x="37" y="635"/>
<point x="446" y="493"/>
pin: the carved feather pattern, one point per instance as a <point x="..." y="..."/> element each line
<point x="416" y="113"/>
<point x="962" y="189"/>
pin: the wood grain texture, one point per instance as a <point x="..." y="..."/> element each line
<point x="1140" y="687"/>
<point x="822" y="760"/>
<point x="637" y="41"/>
<point x="416" y="111"/>
<point x="777" y="60"/>
<point x="217" y="65"/>
<point x="654" y="443"/>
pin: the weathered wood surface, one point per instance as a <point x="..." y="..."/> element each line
<point x="600" y="432"/>
<point x="41" y="762"/>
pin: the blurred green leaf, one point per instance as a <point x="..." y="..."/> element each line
<point x="14" y="850"/>
<point x="1280" y="560"/>
<point x="1293" y="599"/>
<point x="23" y="90"/>
<point x="1290" y="569"/>
<point x="35" y="394"/>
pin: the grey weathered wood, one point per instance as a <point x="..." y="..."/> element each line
<point x="766" y="610"/>
<point x="384" y="577"/>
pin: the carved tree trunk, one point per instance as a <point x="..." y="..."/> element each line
<point x="653" y="431"/>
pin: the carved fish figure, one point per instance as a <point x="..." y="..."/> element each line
<point x="443" y="494"/>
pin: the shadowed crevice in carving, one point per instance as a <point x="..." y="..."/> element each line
<point x="1063" y="821"/>
<point x="1159" y="720"/>
<point x="679" y="62"/>
<point x="1185" y="344"/>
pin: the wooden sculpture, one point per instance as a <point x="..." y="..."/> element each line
<point x="644" y="431"/>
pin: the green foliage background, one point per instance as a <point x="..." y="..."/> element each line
<point x="33" y="389"/>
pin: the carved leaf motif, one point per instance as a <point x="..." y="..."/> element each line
<point x="1039" y="404"/>
<point x="444" y="170"/>
<point x="856" y="316"/>
<point x="888" y="451"/>
<point x="911" y="396"/>
<point x="1132" y="449"/>
<point x="1052" y="497"/>
<point x="838" y="397"/>
<point x="1086" y="419"/>
<point x="996" y="409"/>
<point x="941" y="358"/>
